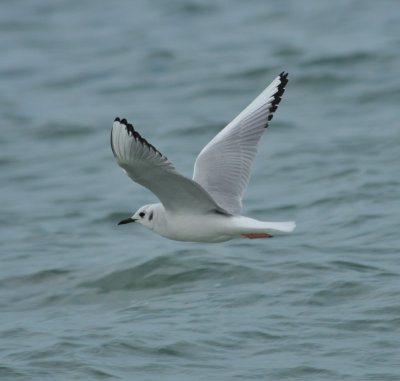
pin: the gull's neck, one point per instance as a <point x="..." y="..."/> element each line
<point x="160" y="219"/>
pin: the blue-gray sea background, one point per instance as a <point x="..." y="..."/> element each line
<point x="83" y="299"/>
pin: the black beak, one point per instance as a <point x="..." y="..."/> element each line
<point x="127" y="221"/>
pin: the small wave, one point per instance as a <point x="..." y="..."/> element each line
<point x="34" y="278"/>
<point x="168" y="271"/>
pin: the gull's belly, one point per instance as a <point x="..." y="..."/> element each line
<point x="200" y="228"/>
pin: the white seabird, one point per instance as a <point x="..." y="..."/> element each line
<point x="207" y="208"/>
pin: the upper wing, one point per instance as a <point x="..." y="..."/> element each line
<point x="147" y="166"/>
<point x="223" y="166"/>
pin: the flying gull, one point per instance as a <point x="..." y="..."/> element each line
<point x="206" y="208"/>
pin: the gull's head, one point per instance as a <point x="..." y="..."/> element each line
<point x="144" y="215"/>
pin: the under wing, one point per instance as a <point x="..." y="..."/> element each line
<point x="223" y="166"/>
<point x="144" y="164"/>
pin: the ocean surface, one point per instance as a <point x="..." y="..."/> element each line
<point x="84" y="299"/>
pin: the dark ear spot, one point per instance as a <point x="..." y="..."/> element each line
<point x="151" y="216"/>
<point x="141" y="214"/>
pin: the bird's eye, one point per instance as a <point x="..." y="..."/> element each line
<point x="141" y="214"/>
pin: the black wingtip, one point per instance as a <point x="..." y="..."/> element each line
<point x="284" y="75"/>
<point x="278" y="95"/>
<point x="132" y="132"/>
<point x="130" y="129"/>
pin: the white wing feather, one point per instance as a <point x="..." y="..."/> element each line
<point x="147" y="166"/>
<point x="223" y="166"/>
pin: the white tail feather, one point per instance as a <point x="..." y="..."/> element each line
<point x="287" y="226"/>
<point x="250" y="225"/>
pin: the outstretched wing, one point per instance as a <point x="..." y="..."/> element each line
<point x="147" y="166"/>
<point x="223" y="166"/>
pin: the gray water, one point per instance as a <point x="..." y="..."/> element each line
<point x="83" y="299"/>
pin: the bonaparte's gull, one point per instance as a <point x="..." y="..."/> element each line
<point x="207" y="208"/>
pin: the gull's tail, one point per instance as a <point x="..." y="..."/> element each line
<point x="286" y="227"/>
<point x="252" y="228"/>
